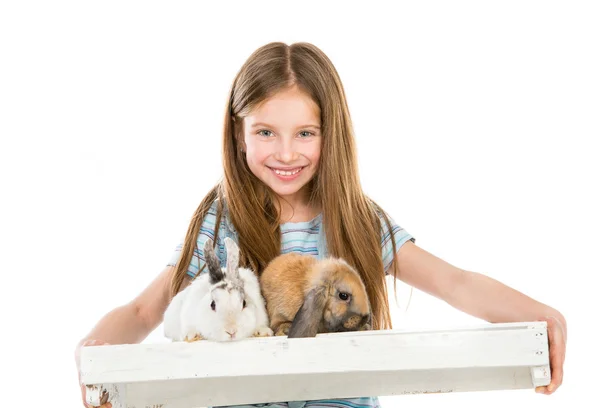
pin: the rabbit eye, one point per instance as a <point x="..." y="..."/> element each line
<point x="343" y="296"/>
<point x="244" y="304"/>
<point x="213" y="306"/>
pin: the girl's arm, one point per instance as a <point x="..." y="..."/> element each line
<point x="482" y="297"/>
<point x="132" y="322"/>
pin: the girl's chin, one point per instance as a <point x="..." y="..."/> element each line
<point x="286" y="191"/>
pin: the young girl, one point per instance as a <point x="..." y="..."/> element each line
<point x="291" y="184"/>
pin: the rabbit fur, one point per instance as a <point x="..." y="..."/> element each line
<point x="306" y="296"/>
<point x="224" y="304"/>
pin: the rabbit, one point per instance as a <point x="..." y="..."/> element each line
<point x="306" y="296"/>
<point x="224" y="304"/>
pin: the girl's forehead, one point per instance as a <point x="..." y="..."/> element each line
<point x="286" y="107"/>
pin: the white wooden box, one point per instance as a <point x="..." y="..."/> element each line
<point x="379" y="363"/>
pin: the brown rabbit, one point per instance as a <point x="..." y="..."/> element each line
<point x="306" y="296"/>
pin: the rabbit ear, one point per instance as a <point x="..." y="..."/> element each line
<point x="233" y="257"/>
<point x="212" y="262"/>
<point x="309" y="318"/>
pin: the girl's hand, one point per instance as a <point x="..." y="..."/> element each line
<point x="557" y="343"/>
<point x="83" y="387"/>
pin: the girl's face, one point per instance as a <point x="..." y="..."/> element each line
<point x="282" y="141"/>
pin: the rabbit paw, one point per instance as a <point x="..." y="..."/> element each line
<point x="263" y="332"/>
<point x="283" y="329"/>
<point x="196" y="337"/>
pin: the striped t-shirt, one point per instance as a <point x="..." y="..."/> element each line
<point x="303" y="237"/>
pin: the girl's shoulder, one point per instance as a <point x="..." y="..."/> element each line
<point x="226" y="228"/>
<point x="208" y="230"/>
<point x="392" y="235"/>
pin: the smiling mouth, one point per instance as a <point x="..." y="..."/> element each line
<point x="290" y="172"/>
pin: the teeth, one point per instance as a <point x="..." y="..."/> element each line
<point x="287" y="173"/>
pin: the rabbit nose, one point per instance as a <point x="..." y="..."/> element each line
<point x="231" y="333"/>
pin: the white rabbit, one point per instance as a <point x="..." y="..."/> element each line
<point x="224" y="304"/>
<point x="172" y="317"/>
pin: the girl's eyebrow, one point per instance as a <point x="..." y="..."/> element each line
<point x="261" y="124"/>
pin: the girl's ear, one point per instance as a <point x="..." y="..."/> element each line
<point x="239" y="133"/>
<point x="309" y="318"/>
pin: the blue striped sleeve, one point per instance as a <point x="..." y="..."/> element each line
<point x="206" y="231"/>
<point x="398" y="234"/>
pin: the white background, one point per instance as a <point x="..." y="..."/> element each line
<point x="477" y="126"/>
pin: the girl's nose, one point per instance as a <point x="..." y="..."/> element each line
<point x="286" y="152"/>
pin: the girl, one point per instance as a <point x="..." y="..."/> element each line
<point x="291" y="184"/>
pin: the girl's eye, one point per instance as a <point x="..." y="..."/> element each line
<point x="260" y="132"/>
<point x="306" y="133"/>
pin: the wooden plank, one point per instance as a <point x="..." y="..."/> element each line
<point x="382" y="363"/>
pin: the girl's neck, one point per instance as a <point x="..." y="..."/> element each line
<point x="297" y="209"/>
<point x="297" y="214"/>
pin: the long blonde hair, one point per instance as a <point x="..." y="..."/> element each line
<point x="350" y="218"/>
